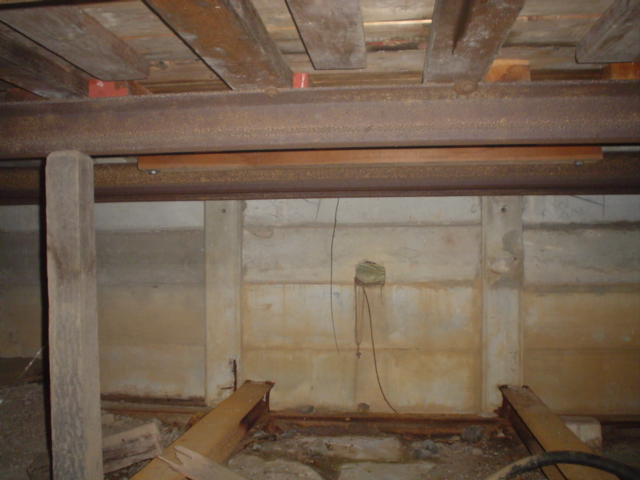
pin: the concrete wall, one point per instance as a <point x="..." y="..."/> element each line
<point x="479" y="291"/>
<point x="150" y="295"/>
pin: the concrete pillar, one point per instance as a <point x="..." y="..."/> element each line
<point x="223" y="254"/>
<point x="502" y="278"/>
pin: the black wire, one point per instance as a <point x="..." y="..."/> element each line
<point x="622" y="471"/>
<point x="333" y="236"/>
<point x="373" y="348"/>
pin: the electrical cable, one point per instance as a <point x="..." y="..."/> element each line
<point x="622" y="471"/>
<point x="333" y="236"/>
<point x="373" y="348"/>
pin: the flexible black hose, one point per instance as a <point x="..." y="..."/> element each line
<point x="622" y="471"/>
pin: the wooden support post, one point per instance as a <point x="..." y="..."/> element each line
<point x="501" y="282"/>
<point x="223" y="253"/>
<point x="73" y="318"/>
<point x="465" y="38"/>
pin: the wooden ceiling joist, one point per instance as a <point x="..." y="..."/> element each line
<point x="465" y="38"/>
<point x="615" y="37"/>
<point x="229" y="36"/>
<point x="332" y="32"/>
<point x="78" y="38"/>
<point x="33" y="68"/>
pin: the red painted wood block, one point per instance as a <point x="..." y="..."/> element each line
<point x="101" y="89"/>
<point x="300" y="80"/>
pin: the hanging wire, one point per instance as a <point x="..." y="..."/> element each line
<point x="333" y="236"/>
<point x="373" y="348"/>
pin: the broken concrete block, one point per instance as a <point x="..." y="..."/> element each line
<point x="472" y="434"/>
<point x="385" y="471"/>
<point x="587" y="429"/>
<point x="255" y="468"/>
<point x="387" y="449"/>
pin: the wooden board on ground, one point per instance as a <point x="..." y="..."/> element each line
<point x="126" y="448"/>
<point x="218" y="433"/>
<point x="549" y="431"/>
<point x="332" y="32"/>
<point x="363" y="157"/>
<point x="197" y="467"/>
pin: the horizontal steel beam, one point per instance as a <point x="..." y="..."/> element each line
<point x="617" y="173"/>
<point x="541" y="113"/>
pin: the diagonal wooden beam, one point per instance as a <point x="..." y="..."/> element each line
<point x="465" y="38"/>
<point x="230" y="38"/>
<point x="33" y="68"/>
<point x="78" y="38"/>
<point x="615" y="37"/>
<point x="332" y="32"/>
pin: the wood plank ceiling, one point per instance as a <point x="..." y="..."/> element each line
<point x="190" y="46"/>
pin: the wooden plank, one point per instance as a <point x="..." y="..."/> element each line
<point x="504" y="70"/>
<point x="77" y="37"/>
<point x="622" y="71"/>
<point x="198" y="467"/>
<point x="238" y="49"/>
<point x="613" y="38"/>
<point x="126" y="448"/>
<point x="76" y="437"/>
<point x="465" y="38"/>
<point x="33" y="68"/>
<point x="332" y="32"/>
<point x="399" y="156"/>
<point x="550" y="431"/>
<point x="217" y="434"/>
<point x="17" y="94"/>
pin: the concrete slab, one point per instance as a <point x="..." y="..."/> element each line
<point x="385" y="471"/>
<point x="362" y="211"/>
<point x="144" y="216"/>
<point x="580" y="209"/>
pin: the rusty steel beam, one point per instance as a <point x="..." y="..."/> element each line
<point x="544" y="113"/>
<point x="617" y="173"/>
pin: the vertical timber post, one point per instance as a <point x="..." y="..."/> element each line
<point x="73" y="318"/>
<point x="223" y="252"/>
<point x="502" y="274"/>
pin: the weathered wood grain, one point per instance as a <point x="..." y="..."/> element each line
<point x="31" y="67"/>
<point x="126" y="448"/>
<point x="78" y="38"/>
<point x="332" y="32"/>
<point x="73" y="317"/>
<point x="465" y="38"/>
<point x="615" y="37"/>
<point x="230" y="38"/>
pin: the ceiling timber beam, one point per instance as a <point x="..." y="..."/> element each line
<point x="618" y="173"/>
<point x="72" y="34"/>
<point x="229" y="36"/>
<point x="33" y="68"/>
<point x="465" y="38"/>
<point x="332" y="32"/>
<point x="615" y="37"/>
<point x="520" y="113"/>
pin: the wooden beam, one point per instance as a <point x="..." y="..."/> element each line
<point x="33" y="68"/>
<point x="550" y="431"/>
<point x="76" y="436"/>
<point x="230" y="38"/>
<point x="622" y="71"/>
<point x="332" y="32"/>
<point x="615" y="37"/>
<point x="465" y="38"/>
<point x="218" y="433"/>
<point x="504" y="70"/>
<point x="396" y="156"/>
<point x="77" y="37"/>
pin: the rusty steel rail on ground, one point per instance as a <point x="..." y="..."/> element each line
<point x="531" y="113"/>
<point x="541" y="430"/>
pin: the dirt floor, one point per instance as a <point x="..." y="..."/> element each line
<point x="272" y="451"/>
